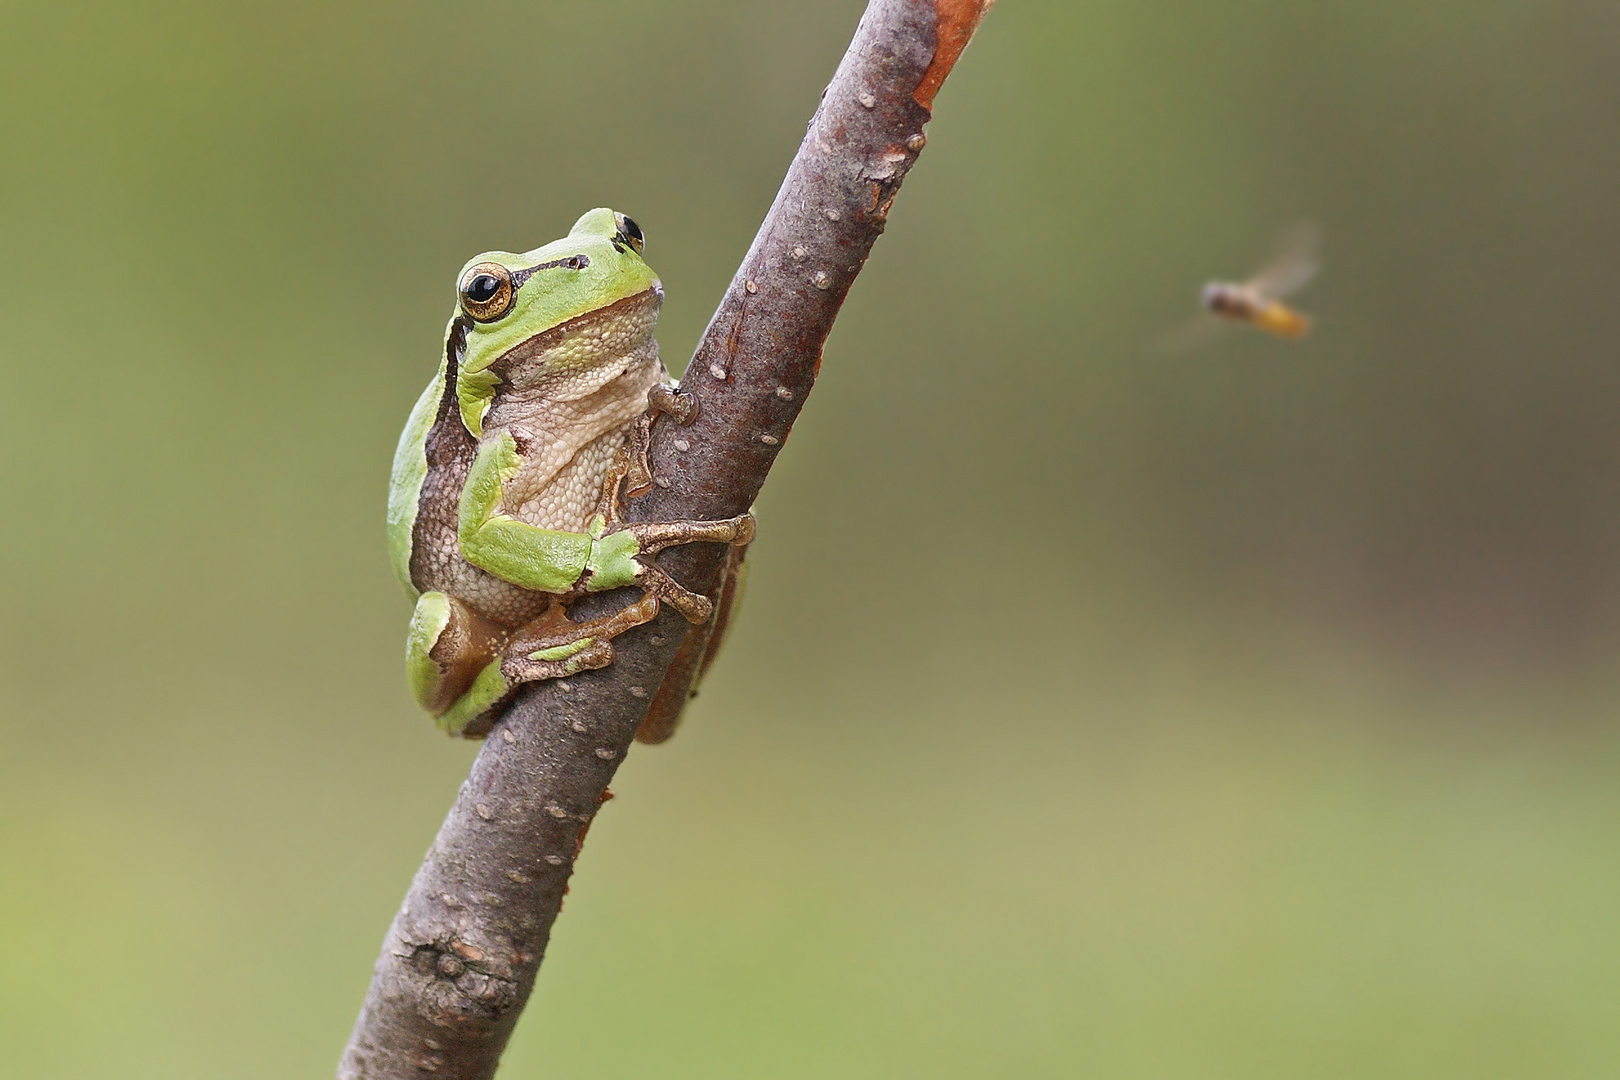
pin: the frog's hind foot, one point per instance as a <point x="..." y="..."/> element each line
<point x="554" y="646"/>
<point x="558" y="661"/>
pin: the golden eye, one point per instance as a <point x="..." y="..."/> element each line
<point x="486" y="292"/>
<point x="630" y="232"/>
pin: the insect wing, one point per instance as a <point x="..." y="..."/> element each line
<point x="1296" y="262"/>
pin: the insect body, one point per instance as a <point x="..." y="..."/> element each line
<point x="1258" y="301"/>
<point x="1245" y="303"/>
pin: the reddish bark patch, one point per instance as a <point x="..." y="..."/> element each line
<point x="954" y="23"/>
<point x="579" y="837"/>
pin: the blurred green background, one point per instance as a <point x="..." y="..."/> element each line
<point x="1287" y="750"/>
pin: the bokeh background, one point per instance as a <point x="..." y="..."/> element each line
<point x="1280" y="742"/>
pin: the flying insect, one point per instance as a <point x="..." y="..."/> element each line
<point x="1259" y="300"/>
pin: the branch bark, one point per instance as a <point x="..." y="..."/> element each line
<point x="460" y="959"/>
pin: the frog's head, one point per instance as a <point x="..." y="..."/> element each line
<point x="537" y="306"/>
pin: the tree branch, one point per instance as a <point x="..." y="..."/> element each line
<point x="460" y="959"/>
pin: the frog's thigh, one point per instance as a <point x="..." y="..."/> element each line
<point x="452" y="662"/>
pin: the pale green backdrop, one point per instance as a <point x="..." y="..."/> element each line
<point x="1281" y="743"/>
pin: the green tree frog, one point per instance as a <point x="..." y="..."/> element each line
<point x="505" y="502"/>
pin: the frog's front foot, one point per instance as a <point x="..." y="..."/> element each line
<point x="672" y="402"/>
<point x="653" y="537"/>
<point x="634" y="468"/>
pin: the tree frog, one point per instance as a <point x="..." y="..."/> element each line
<point x="505" y="502"/>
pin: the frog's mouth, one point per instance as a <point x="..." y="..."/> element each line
<point x="642" y="306"/>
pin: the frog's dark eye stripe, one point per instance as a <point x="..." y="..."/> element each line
<point x="486" y="291"/>
<point x="629" y="232"/>
<point x="572" y="262"/>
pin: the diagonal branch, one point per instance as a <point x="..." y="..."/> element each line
<point x="460" y="959"/>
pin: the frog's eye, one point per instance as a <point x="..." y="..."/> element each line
<point x="486" y="292"/>
<point x="630" y="232"/>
